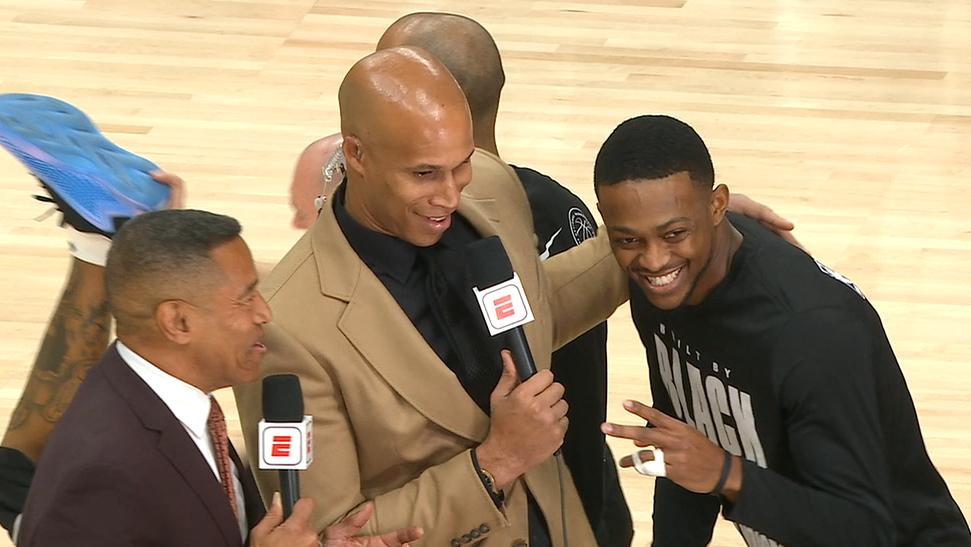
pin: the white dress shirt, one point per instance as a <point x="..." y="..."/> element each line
<point x="191" y="407"/>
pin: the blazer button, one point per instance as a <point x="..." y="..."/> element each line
<point x="484" y="528"/>
<point x="475" y="533"/>
<point x="520" y="543"/>
<point x="456" y="542"/>
<point x="466" y="538"/>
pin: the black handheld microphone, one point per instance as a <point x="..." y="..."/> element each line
<point x="504" y="308"/>
<point x="501" y="299"/>
<point x="286" y="439"/>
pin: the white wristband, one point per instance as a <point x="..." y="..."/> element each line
<point x="89" y="247"/>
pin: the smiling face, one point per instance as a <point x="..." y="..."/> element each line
<point x="663" y="234"/>
<point x="411" y="180"/>
<point x="407" y="142"/>
<point x="227" y="337"/>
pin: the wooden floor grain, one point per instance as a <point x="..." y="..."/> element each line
<point x="851" y="118"/>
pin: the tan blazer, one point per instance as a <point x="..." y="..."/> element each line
<point x="392" y="423"/>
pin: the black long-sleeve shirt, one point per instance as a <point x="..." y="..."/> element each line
<point x="786" y="364"/>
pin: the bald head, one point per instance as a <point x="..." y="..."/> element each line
<point x="465" y="48"/>
<point x="407" y="144"/>
<point x="393" y="91"/>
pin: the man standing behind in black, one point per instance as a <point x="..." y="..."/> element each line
<point x="777" y="396"/>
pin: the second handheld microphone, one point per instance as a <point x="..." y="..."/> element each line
<point x="285" y="435"/>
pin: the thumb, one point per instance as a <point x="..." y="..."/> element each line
<point x="273" y="518"/>
<point x="509" y="379"/>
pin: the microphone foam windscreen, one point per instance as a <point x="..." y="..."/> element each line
<point x="282" y="398"/>
<point x="488" y="262"/>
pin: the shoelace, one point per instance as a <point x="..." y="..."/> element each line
<point x="50" y="211"/>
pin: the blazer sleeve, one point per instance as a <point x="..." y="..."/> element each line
<point x="95" y="509"/>
<point x="584" y="287"/>
<point x="448" y="499"/>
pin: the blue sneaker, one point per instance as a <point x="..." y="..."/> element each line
<point x="96" y="184"/>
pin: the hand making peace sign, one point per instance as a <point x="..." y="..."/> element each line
<point x="692" y="460"/>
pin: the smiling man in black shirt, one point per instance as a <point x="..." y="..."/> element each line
<point x="777" y="396"/>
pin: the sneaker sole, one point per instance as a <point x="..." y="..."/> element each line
<point x="60" y="145"/>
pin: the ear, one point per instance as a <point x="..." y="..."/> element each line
<point x="719" y="204"/>
<point x="353" y="154"/>
<point x="174" y="321"/>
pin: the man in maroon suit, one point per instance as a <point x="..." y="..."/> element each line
<point x="141" y="457"/>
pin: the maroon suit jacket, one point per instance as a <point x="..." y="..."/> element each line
<point x="120" y="470"/>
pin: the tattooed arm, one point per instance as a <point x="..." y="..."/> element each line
<point x="76" y="338"/>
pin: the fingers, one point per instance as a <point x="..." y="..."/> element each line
<point x="742" y="204"/>
<point x="560" y="409"/>
<point x="773" y="220"/>
<point x="166" y="178"/>
<point x="644" y="436"/>
<point x="348" y="528"/>
<point x="176" y="187"/>
<point x="552" y="395"/>
<point x="664" y="431"/>
<point x="353" y="523"/>
<point x="654" y="416"/>
<point x="538" y="384"/>
<point x="404" y="536"/>
<point x="532" y="387"/>
<point x="304" y="508"/>
<point x="302" y="511"/>
<point x="792" y="239"/>
<point x="271" y="520"/>
<point x="767" y="217"/>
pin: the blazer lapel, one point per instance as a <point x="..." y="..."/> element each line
<point x="378" y="328"/>
<point x="173" y="443"/>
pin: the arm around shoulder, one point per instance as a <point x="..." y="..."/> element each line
<point x="585" y="286"/>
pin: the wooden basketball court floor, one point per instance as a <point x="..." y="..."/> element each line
<point x="851" y="118"/>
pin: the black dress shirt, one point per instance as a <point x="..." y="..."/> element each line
<point x="433" y="288"/>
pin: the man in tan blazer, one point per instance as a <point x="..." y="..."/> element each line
<point x="392" y="422"/>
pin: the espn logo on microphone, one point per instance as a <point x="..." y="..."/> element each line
<point x="286" y="445"/>
<point x="504" y="306"/>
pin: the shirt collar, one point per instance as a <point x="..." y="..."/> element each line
<point x="381" y="252"/>
<point x="189" y="404"/>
